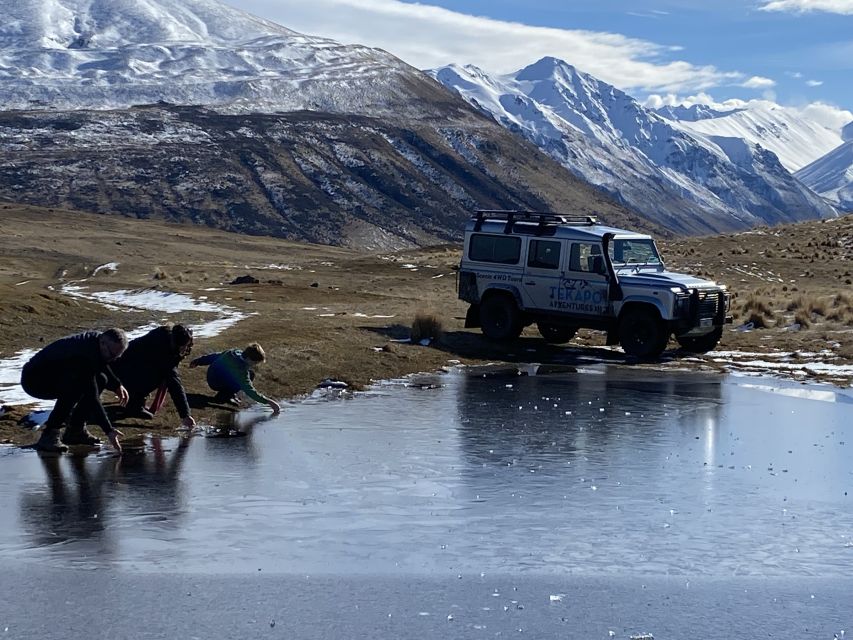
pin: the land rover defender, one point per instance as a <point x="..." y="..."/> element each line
<point x="567" y="272"/>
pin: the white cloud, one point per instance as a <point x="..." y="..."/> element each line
<point x="757" y="82"/>
<point x="804" y="6"/>
<point x="427" y="36"/>
<point x="814" y="83"/>
<point x="828" y="115"/>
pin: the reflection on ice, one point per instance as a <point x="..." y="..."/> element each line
<point x="610" y="471"/>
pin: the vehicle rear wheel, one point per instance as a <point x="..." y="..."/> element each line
<point x="555" y="333"/>
<point x="500" y="318"/>
<point x="701" y="344"/>
<point x="642" y="333"/>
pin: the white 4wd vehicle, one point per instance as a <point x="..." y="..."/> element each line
<point x="563" y="273"/>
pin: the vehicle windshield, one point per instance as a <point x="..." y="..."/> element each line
<point x="631" y="252"/>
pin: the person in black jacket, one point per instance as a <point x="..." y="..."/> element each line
<point x="152" y="361"/>
<point x="73" y="371"/>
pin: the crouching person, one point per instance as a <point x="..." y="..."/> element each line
<point x="73" y="371"/>
<point x="150" y="362"/>
<point x="230" y="372"/>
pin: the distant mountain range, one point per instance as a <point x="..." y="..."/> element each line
<point x="820" y="157"/>
<point x="832" y="174"/>
<point x="667" y="170"/>
<point x="194" y="110"/>
<point x="795" y="140"/>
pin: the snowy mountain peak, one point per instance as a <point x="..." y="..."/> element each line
<point x="548" y="68"/>
<point x="105" y="54"/>
<point x="95" y="24"/>
<point x="847" y="132"/>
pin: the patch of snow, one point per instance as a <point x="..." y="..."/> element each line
<point x="110" y="266"/>
<point x="804" y="393"/>
<point x="11" y="391"/>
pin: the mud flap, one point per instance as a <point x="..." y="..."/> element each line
<point x="472" y="317"/>
<point x="612" y="337"/>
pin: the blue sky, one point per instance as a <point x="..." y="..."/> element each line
<point x="795" y="52"/>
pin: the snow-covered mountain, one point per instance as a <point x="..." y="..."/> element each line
<point x="73" y="54"/>
<point x="832" y="175"/>
<point x="263" y="130"/>
<point x="684" y="180"/>
<point x="796" y="141"/>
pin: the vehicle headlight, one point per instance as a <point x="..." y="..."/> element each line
<point x="682" y="304"/>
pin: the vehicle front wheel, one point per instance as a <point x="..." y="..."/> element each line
<point x="500" y="318"/>
<point x="642" y="333"/>
<point x="701" y="344"/>
<point x="555" y="333"/>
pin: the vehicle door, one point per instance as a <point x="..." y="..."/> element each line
<point x="583" y="287"/>
<point x="543" y="270"/>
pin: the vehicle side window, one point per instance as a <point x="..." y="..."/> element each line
<point x="586" y="257"/>
<point x="501" y="249"/>
<point x="544" y="254"/>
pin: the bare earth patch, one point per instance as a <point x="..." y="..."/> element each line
<point x="324" y="312"/>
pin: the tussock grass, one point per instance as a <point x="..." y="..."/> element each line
<point x="426" y="325"/>
<point x="757" y="305"/>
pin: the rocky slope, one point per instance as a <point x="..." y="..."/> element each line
<point x="334" y="179"/>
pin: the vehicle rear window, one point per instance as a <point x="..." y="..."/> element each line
<point x="500" y="249"/>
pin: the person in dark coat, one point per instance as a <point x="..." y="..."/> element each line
<point x="230" y="372"/>
<point x="73" y="371"/>
<point x="151" y="361"/>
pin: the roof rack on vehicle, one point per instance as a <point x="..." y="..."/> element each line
<point x="543" y="218"/>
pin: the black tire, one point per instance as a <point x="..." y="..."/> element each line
<point x="500" y="318"/>
<point x="642" y="333"/>
<point x="555" y="333"/>
<point x="701" y="344"/>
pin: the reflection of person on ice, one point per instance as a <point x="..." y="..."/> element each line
<point x="230" y="372"/>
<point x="151" y="363"/>
<point x="73" y="371"/>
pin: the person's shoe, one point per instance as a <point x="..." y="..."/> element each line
<point x="227" y="398"/>
<point x="74" y="437"/>
<point x="49" y="442"/>
<point x="140" y="412"/>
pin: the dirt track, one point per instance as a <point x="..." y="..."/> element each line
<point x="323" y="312"/>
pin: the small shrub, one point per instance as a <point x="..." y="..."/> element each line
<point x="426" y="325"/>
<point x="842" y="300"/>
<point x="758" y="305"/>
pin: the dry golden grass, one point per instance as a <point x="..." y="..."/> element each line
<point x="327" y="316"/>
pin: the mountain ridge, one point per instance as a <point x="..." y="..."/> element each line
<point x="653" y="165"/>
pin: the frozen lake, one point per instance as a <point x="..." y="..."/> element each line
<point x="602" y="501"/>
